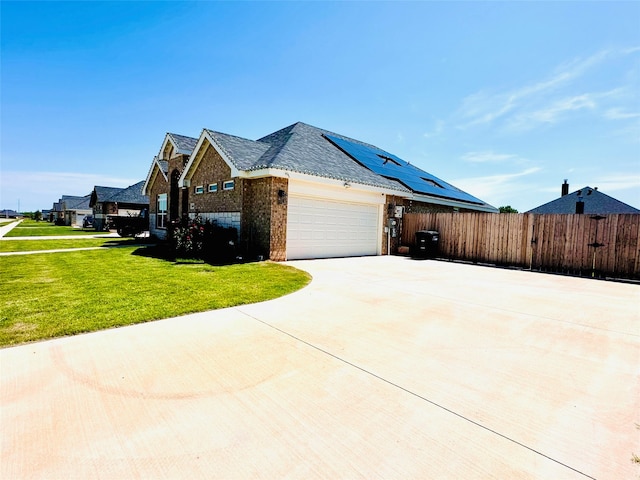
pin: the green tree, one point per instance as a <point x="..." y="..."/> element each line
<point x="507" y="209"/>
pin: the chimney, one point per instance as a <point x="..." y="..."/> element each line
<point x="565" y="188"/>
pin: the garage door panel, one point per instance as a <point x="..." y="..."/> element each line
<point x="318" y="228"/>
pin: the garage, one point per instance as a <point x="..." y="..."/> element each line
<point x="323" y="228"/>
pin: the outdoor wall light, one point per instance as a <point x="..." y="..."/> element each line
<point x="282" y="196"/>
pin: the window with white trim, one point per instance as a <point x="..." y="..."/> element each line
<point x="198" y="189"/>
<point x="161" y="211"/>
<point x="213" y="187"/>
<point x="228" y="185"/>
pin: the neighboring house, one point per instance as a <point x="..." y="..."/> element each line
<point x="587" y="200"/>
<point x="56" y="214"/>
<point x="301" y="192"/>
<point x="111" y="202"/>
<point x="10" y="214"/>
<point x="75" y="209"/>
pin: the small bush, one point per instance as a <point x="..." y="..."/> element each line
<point x="206" y="240"/>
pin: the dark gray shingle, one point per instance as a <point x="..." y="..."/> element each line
<point x="595" y="202"/>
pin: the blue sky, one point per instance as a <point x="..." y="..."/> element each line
<point x="503" y="99"/>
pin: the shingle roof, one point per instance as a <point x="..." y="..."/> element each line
<point x="595" y="202"/>
<point x="299" y="148"/>
<point x="183" y="143"/>
<point x="244" y="153"/>
<point x="76" y="203"/>
<point x="102" y="194"/>
<point x="131" y="194"/>
<point x="164" y="166"/>
<point x="309" y="150"/>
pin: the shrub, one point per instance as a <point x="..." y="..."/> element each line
<point x="206" y="240"/>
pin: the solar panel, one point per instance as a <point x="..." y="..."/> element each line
<point x="390" y="166"/>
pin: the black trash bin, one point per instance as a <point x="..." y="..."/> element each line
<point x="426" y="244"/>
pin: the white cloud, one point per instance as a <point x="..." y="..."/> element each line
<point x="497" y="189"/>
<point x="620" y="114"/>
<point x="487" y="157"/>
<point x="553" y="112"/>
<point x="543" y="102"/>
<point x="613" y="183"/>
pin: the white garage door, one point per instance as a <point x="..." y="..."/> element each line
<point x="322" y="228"/>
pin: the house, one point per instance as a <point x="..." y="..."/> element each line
<point x="300" y="192"/>
<point x="69" y="210"/>
<point x="112" y="201"/>
<point x="587" y="200"/>
<point x="7" y="213"/>
<point x="56" y="214"/>
<point x="75" y="209"/>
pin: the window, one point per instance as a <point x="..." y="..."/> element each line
<point x="228" y="185"/>
<point x="199" y="189"/>
<point x="161" y="216"/>
<point x="213" y="187"/>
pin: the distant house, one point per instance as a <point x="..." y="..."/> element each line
<point x="112" y="201"/>
<point x="10" y="214"/>
<point x="587" y="200"/>
<point x="75" y="209"/>
<point x="300" y="192"/>
<point x="56" y="214"/>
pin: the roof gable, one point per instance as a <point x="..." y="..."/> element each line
<point x="595" y="202"/>
<point x="181" y="143"/>
<point x="161" y="166"/>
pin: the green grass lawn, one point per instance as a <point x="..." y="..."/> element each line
<point x="50" y="295"/>
<point x="31" y="228"/>
<point x="35" y="245"/>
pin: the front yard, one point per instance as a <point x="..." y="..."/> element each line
<point x="54" y="294"/>
<point x="31" y="228"/>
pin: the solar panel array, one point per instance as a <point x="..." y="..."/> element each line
<point x="390" y="166"/>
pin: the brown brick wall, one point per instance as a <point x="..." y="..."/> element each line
<point x="264" y="217"/>
<point x="159" y="185"/>
<point x="279" y="204"/>
<point x="213" y="169"/>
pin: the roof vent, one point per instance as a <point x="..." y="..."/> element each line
<point x="565" y="188"/>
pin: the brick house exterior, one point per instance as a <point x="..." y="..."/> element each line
<point x="162" y="180"/>
<point x="300" y="192"/>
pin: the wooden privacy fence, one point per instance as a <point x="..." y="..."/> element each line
<point x="590" y="245"/>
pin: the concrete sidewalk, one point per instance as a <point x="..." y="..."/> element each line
<point x="7" y="227"/>
<point x="383" y="367"/>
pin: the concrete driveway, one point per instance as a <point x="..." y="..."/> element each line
<point x="384" y="367"/>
